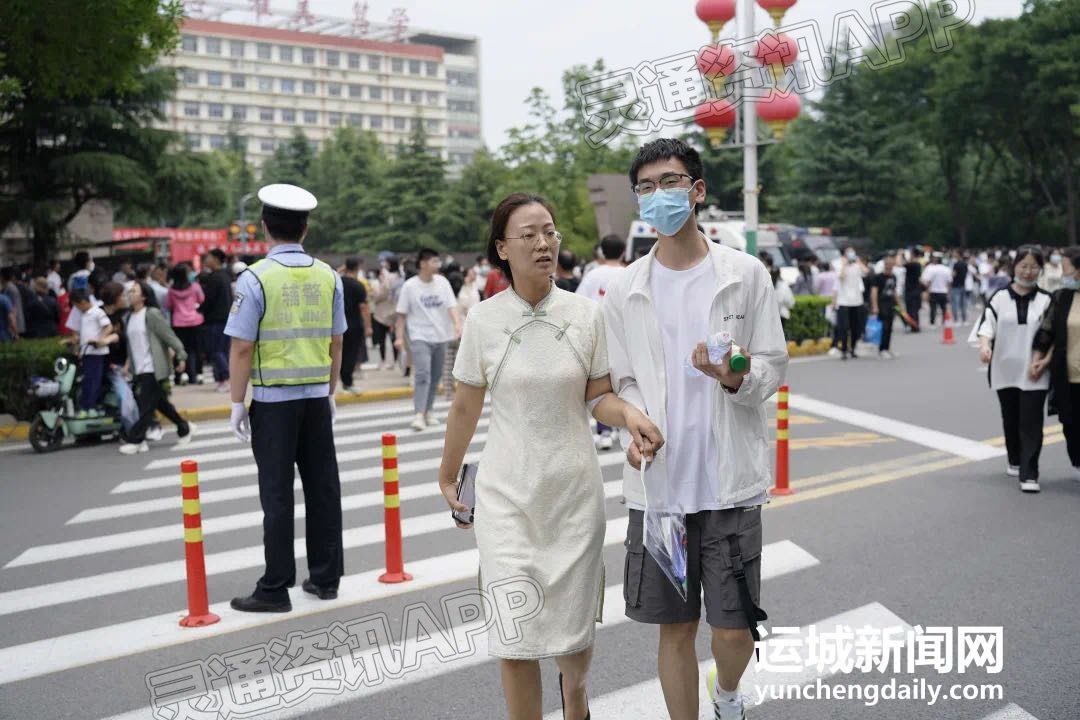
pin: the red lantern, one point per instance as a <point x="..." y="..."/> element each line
<point x="716" y="62"/>
<point x="778" y="111"/>
<point x="776" y="51"/>
<point x="716" y="117"/>
<point x="776" y="8"/>
<point x="715" y="13"/>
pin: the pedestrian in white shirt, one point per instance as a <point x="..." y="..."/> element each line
<point x="937" y="279"/>
<point x="848" y="300"/>
<point x="594" y="284"/>
<point x="716" y="467"/>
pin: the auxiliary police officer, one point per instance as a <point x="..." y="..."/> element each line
<point x="286" y="325"/>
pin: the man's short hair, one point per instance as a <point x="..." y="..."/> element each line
<point x="665" y="149"/>
<point x="285" y="226"/>
<point x="79" y="295"/>
<point x="82" y="259"/>
<point x="142" y="272"/>
<point x="613" y="247"/>
<point x="426" y="254"/>
<point x="352" y="264"/>
<point x="219" y="254"/>
<point x="567" y="261"/>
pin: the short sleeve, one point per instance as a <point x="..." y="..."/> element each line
<point x="598" y="367"/>
<point x="403" y="299"/>
<point x="103" y="321"/>
<point x="247" y="308"/>
<point x="469" y="367"/>
<point x="340" y="323"/>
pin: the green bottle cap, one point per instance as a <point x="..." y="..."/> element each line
<point x="737" y="363"/>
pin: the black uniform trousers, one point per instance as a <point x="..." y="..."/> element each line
<point x="300" y="432"/>
<point x="1022" y="413"/>
<point x="887" y="316"/>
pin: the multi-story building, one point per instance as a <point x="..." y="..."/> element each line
<point x="264" y="82"/>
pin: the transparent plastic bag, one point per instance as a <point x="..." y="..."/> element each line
<point x="665" y="540"/>
<point x="129" y="409"/>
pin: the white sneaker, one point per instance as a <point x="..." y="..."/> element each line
<point x="132" y="448"/>
<point x="187" y="438"/>
<point x="155" y="433"/>
<point x="388" y="366"/>
<point x="723" y="709"/>
<point x="348" y="389"/>
<point x="431" y="419"/>
<point x="604" y="443"/>
<point x="833" y="352"/>
<point x="1029" y="486"/>
<point x="886" y="355"/>
<point x="1012" y="470"/>
<point x="223" y="387"/>
<point x="418" y="422"/>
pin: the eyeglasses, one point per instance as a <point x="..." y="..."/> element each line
<point x="668" y="181"/>
<point x="530" y="237"/>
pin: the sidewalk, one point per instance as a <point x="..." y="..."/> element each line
<point x="203" y="402"/>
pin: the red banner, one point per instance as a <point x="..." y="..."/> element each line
<point x="190" y="244"/>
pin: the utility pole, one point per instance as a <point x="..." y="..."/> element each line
<point x="745" y="18"/>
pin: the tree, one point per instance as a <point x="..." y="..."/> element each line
<point x="345" y="177"/>
<point x="290" y="162"/>
<point x="77" y="107"/>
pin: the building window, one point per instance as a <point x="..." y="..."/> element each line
<point x="376" y="122"/>
<point x="191" y="109"/>
<point x="213" y="46"/>
<point x="433" y="98"/>
<point x="309" y="87"/>
<point x="354" y="61"/>
<point x="311" y="117"/>
<point x="238" y="82"/>
<point x="214" y="79"/>
<point x="397" y="65"/>
<point x="236" y="48"/>
<point x="356" y="91"/>
<point x="287" y="85"/>
<point x="399" y="123"/>
<point x="374" y="93"/>
<point x="288" y="115"/>
<point x="263" y="51"/>
<point x="415" y="97"/>
<point x="458" y="77"/>
<point x="266" y="84"/>
<point x="266" y="114"/>
<point x="217" y="142"/>
<point x="356" y="119"/>
<point x="266" y="145"/>
<point x="333" y="119"/>
<point x="432" y="126"/>
<point x="307" y="56"/>
<point x="191" y="77"/>
<point x="398" y="94"/>
<point x="431" y="68"/>
<point x="285" y="53"/>
<point x="374" y="63"/>
<point x="463" y="106"/>
<point x="194" y="141"/>
<point x="333" y="89"/>
<point x="216" y="110"/>
<point x="333" y="58"/>
<point x="189" y="43"/>
<point x="414" y="67"/>
<point x="239" y="112"/>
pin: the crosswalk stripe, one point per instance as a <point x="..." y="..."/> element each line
<point x="211" y="526"/>
<point x="141" y="507"/>
<point x="235" y="471"/>
<point x="170" y="571"/>
<point x="645" y="700"/>
<point x="1012" y="711"/>
<point x="51" y="655"/>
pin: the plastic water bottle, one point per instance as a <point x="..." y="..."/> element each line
<point x="718" y="346"/>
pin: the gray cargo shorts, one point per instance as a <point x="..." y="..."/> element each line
<point x="651" y="598"/>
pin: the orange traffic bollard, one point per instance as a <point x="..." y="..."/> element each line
<point x="395" y="566"/>
<point x="198" y="604"/>
<point x="782" y="443"/>
<point x="947" y="329"/>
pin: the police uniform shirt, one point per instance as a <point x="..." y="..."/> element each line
<point x="247" y="311"/>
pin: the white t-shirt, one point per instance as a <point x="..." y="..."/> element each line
<point x="938" y="277"/>
<point x="595" y="282"/>
<point x="91" y="325"/>
<point x="682" y="299"/>
<point x="1012" y="335"/>
<point x="849" y="292"/>
<point x="426" y="307"/>
<point x="141" y="359"/>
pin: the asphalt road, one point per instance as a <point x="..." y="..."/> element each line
<point x="897" y="520"/>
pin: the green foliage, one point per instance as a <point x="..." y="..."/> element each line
<point x="19" y="361"/>
<point x="807" y="321"/>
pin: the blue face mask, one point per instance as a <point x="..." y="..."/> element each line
<point x="192" y="275"/>
<point x="1070" y="283"/>
<point x="666" y="210"/>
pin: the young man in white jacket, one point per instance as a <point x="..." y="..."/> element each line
<point x="715" y="467"/>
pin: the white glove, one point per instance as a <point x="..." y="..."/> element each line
<point x="239" y="422"/>
<point x="333" y="410"/>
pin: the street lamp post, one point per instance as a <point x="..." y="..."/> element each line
<point x="745" y="18"/>
<point x="243" y="218"/>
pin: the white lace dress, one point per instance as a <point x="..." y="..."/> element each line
<point x="539" y="490"/>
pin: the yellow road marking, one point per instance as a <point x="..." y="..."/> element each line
<point x="837" y="441"/>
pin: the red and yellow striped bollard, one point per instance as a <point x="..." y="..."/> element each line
<point x="395" y="566"/>
<point x="198" y="604"/>
<point x="782" y="487"/>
